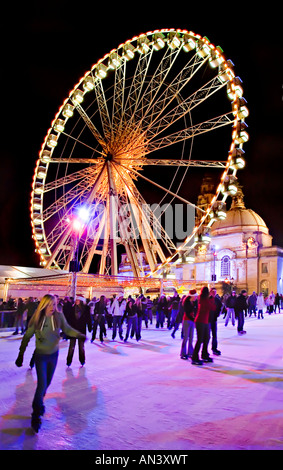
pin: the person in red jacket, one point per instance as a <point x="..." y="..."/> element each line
<point x="203" y="328"/>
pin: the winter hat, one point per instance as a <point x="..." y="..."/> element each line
<point x="192" y="292"/>
<point x="81" y="298"/>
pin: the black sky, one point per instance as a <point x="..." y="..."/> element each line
<point x="48" y="46"/>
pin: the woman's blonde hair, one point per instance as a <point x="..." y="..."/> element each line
<point x="39" y="314"/>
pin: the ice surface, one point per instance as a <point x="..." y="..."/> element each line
<point x="142" y="396"/>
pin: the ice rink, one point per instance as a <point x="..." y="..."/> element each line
<point x="142" y="396"/>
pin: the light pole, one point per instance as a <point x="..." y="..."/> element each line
<point x="213" y="270"/>
<point x="74" y="266"/>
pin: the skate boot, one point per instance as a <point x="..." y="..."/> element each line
<point x="35" y="422"/>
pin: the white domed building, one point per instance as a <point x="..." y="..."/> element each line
<point x="240" y="253"/>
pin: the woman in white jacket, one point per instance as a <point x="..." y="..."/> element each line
<point x="260" y="304"/>
<point x="117" y="311"/>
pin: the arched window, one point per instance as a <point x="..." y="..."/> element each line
<point x="225" y="266"/>
<point x="264" y="287"/>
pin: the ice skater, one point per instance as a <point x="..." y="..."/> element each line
<point x="230" y="305"/>
<point x="117" y="310"/>
<point x="241" y="307"/>
<point x="213" y="315"/>
<point x="203" y="328"/>
<point x="161" y="311"/>
<point x="21" y="307"/>
<point x="46" y="324"/>
<point x="79" y="319"/>
<point x="188" y="326"/>
<point x="100" y="311"/>
<point x="260" y="305"/>
<point x="131" y="317"/>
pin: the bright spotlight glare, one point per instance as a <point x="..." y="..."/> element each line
<point x="77" y="225"/>
<point x="83" y="214"/>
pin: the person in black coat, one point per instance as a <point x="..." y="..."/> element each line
<point x="213" y="315"/>
<point x="79" y="319"/>
<point x="99" y="318"/>
<point x="188" y="325"/>
<point x="131" y="316"/>
<point x="161" y="311"/>
<point x="240" y="309"/>
<point x="21" y="307"/>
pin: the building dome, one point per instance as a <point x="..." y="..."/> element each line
<point x="239" y="219"/>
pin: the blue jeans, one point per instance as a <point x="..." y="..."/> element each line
<point x="131" y="327"/>
<point x="172" y="318"/>
<point x="230" y="314"/>
<point x="117" y="321"/>
<point x="45" y="365"/>
<point x="160" y="317"/>
<point x="139" y="327"/>
<point x="188" y="336"/>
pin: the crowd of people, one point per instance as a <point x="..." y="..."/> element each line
<point x="126" y="315"/>
<point x="52" y="319"/>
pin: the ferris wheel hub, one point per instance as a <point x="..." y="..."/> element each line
<point x="109" y="157"/>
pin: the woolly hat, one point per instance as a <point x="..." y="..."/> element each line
<point x="81" y="298"/>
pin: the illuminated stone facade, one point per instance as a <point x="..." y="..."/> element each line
<point x="240" y="252"/>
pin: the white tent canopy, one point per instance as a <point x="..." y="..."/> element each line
<point x="20" y="272"/>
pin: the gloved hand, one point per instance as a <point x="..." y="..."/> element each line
<point x="19" y="360"/>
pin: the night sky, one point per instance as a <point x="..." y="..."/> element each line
<point x="46" y="48"/>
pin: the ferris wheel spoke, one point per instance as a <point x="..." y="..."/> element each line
<point x="56" y="208"/>
<point x="90" y="125"/>
<point x="174" y="162"/>
<point x="172" y="91"/>
<point x="60" y="238"/>
<point x="184" y="107"/>
<point x="77" y="141"/>
<point x="165" y="189"/>
<point x="118" y="99"/>
<point x="148" y="97"/>
<point x="85" y="197"/>
<point x="58" y="233"/>
<point x="145" y="224"/>
<point x="60" y="248"/>
<point x="136" y="87"/>
<point x="80" y="160"/>
<point x="71" y="178"/>
<point x="154" y="223"/>
<point x="146" y="233"/>
<point x="103" y="109"/>
<point x="189" y="133"/>
<point x="129" y="236"/>
<point x="73" y="196"/>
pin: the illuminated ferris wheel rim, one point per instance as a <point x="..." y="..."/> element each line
<point x="142" y="44"/>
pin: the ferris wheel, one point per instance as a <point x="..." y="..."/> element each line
<point x="140" y="123"/>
